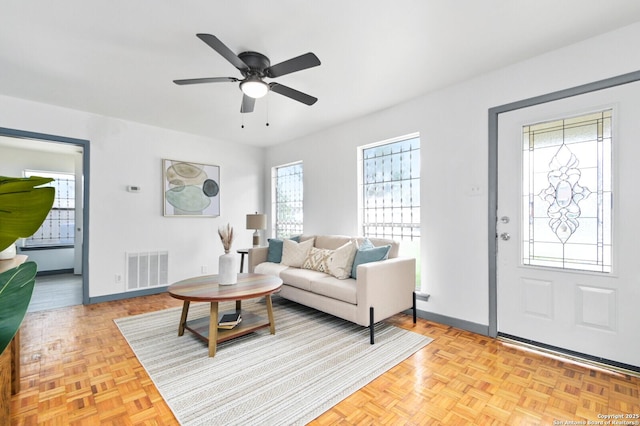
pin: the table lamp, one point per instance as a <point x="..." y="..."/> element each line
<point x="256" y="221"/>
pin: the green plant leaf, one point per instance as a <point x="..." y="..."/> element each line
<point x="13" y="184"/>
<point x="23" y="207"/>
<point x="16" y="288"/>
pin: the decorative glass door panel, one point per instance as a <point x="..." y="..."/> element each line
<point x="566" y="193"/>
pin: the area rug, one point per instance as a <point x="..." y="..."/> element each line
<point x="312" y="362"/>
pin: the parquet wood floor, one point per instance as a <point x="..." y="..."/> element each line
<point x="77" y="369"/>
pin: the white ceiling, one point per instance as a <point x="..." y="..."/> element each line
<point x="118" y="57"/>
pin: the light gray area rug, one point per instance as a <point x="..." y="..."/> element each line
<point x="312" y="362"/>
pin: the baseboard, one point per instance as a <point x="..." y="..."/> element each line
<point x="54" y="272"/>
<point x="453" y="322"/>
<point x="430" y="316"/>
<point x="127" y="295"/>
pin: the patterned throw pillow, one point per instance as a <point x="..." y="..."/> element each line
<point x="317" y="260"/>
<point x="294" y="254"/>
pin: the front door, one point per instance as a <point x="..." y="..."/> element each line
<point x="568" y="263"/>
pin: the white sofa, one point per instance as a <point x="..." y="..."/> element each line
<point x="382" y="288"/>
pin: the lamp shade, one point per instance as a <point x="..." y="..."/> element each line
<point x="256" y="221"/>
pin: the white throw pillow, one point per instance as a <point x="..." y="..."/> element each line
<point x="341" y="260"/>
<point x="294" y="254"/>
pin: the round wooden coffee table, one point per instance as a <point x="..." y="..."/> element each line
<point x="206" y="289"/>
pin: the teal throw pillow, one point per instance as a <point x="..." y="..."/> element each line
<point x="366" y="244"/>
<point x="366" y="255"/>
<point x="274" y="253"/>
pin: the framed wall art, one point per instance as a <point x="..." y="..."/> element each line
<point x="190" y="189"/>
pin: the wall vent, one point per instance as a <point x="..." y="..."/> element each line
<point x="145" y="270"/>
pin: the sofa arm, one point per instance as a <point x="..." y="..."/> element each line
<point x="257" y="256"/>
<point x="387" y="286"/>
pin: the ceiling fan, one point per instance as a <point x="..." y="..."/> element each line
<point x="255" y="67"/>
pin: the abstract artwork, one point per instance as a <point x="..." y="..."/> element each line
<point x="190" y="189"/>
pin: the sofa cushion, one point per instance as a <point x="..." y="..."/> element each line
<point x="274" y="253"/>
<point x="344" y="290"/>
<point x="317" y="260"/>
<point x="367" y="253"/>
<point x="270" y="268"/>
<point x="331" y="242"/>
<point x="300" y="278"/>
<point x="294" y="254"/>
<point x="340" y="261"/>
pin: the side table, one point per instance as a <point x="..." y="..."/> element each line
<point x="242" y="252"/>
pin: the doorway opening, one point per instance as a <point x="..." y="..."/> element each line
<point x="62" y="269"/>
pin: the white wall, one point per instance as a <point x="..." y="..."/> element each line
<point x="13" y="161"/>
<point x="126" y="153"/>
<point x="454" y="133"/>
<point x="453" y="127"/>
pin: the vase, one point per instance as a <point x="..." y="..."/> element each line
<point x="8" y="253"/>
<point x="227" y="272"/>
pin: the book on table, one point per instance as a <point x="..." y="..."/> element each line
<point x="229" y="320"/>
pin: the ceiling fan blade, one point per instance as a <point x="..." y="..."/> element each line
<point x="292" y="93"/>
<point x="224" y="51"/>
<point x="206" y="80"/>
<point x="247" y="104"/>
<point x="302" y="62"/>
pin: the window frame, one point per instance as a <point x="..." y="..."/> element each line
<point x="31" y="243"/>
<point x="415" y="241"/>
<point x="361" y="187"/>
<point x="295" y="227"/>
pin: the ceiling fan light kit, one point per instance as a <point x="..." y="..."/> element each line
<point x="254" y="67"/>
<point x="254" y="87"/>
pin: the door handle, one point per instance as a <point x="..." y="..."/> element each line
<point x="505" y="236"/>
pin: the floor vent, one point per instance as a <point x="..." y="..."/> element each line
<point x="146" y="270"/>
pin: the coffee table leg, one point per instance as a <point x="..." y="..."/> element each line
<point x="183" y="317"/>
<point x="272" y="323"/>
<point x="213" y="329"/>
<point x="238" y="305"/>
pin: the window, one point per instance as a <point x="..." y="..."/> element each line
<point x="59" y="225"/>
<point x="390" y="193"/>
<point x="287" y="190"/>
<point x="567" y="193"/>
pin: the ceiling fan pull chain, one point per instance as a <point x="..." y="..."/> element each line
<point x="267" y="124"/>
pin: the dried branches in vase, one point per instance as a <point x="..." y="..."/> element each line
<point x="226" y="236"/>
<point x="227" y="273"/>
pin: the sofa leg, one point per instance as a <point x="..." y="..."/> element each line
<point x="415" y="311"/>
<point x="371" y="324"/>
